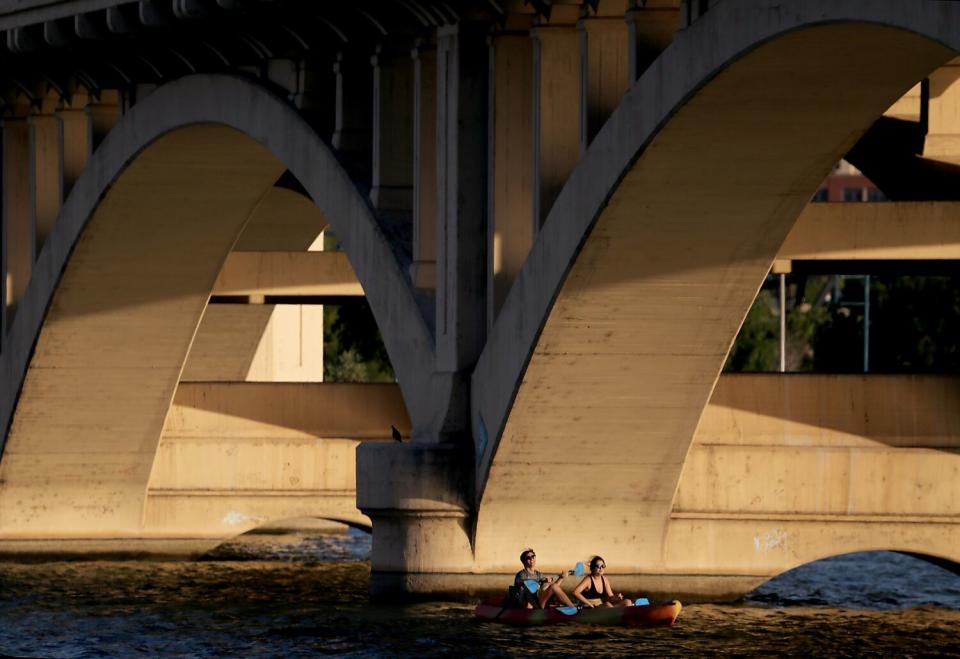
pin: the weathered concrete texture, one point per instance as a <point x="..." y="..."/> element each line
<point x="607" y="396"/>
<point x="257" y="343"/>
<point x="122" y="320"/>
<point x="283" y="221"/>
<point x="286" y="410"/>
<point x="875" y="231"/>
<point x="785" y="470"/>
<point x="118" y="329"/>
<point x="287" y="273"/>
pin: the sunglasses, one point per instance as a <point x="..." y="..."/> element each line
<point x="529" y="556"/>
<point x="601" y="567"/>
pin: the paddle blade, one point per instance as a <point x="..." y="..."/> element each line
<point x="579" y="570"/>
<point x="567" y="610"/>
<point x="532" y="585"/>
<point x="641" y="601"/>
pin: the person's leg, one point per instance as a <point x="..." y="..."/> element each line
<point x="618" y="600"/>
<point x="554" y="590"/>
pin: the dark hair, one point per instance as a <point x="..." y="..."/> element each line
<point x="524" y="553"/>
<point x="594" y="561"/>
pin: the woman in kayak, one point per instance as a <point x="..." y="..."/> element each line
<point x="549" y="588"/>
<point x="595" y="589"/>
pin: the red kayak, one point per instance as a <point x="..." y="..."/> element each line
<point x="649" y="615"/>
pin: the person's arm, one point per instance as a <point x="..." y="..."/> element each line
<point x="578" y="591"/>
<point x="608" y="591"/>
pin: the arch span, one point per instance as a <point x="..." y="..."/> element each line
<point x="612" y="338"/>
<point x="176" y="179"/>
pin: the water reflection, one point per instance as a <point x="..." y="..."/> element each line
<point x="306" y="596"/>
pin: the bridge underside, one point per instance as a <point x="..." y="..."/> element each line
<point x="557" y="341"/>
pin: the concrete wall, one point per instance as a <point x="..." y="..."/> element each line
<point x="788" y="469"/>
<point x="234" y="456"/>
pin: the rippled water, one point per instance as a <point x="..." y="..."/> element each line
<point x="309" y="599"/>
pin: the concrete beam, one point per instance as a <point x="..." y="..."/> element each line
<point x="874" y="231"/>
<point x="287" y="273"/>
<point x="286" y="410"/>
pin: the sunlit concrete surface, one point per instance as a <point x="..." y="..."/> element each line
<point x="784" y="469"/>
<point x="287" y="273"/>
<point x="641" y="325"/>
<point x="118" y="331"/>
<point x="114" y="340"/>
<point x="257" y="343"/>
<point x="875" y="231"/>
<point x="558" y="274"/>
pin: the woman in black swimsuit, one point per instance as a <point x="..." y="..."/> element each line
<point x="595" y="589"/>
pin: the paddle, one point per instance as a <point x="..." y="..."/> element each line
<point x="578" y="571"/>
<point x="534" y="587"/>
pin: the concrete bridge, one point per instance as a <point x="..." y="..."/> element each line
<point x="559" y="213"/>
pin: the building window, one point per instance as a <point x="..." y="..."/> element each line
<point x="875" y="194"/>
<point x="853" y="194"/>
<point x="821" y="195"/>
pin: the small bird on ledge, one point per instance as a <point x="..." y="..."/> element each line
<point x="395" y="433"/>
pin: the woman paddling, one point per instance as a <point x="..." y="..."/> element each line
<point x="595" y="589"/>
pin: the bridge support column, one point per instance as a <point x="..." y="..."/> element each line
<point x="104" y="113"/>
<point x="423" y="270"/>
<point x="46" y="149"/>
<point x="77" y="141"/>
<point x="556" y="113"/>
<point x="604" y="73"/>
<point x="511" y="211"/>
<point x="414" y="495"/>
<point x="392" y="129"/>
<point x="462" y="229"/>
<point x="354" y="104"/>
<point x="649" y="31"/>
<point x="19" y="221"/>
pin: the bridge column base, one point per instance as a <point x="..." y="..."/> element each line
<point x="414" y="496"/>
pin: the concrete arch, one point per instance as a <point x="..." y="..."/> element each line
<point x="207" y="148"/>
<point x="612" y="338"/>
<point x="926" y="556"/>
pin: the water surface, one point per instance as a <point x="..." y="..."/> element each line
<point x="274" y="598"/>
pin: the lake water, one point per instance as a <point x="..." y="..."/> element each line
<point x="272" y="597"/>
